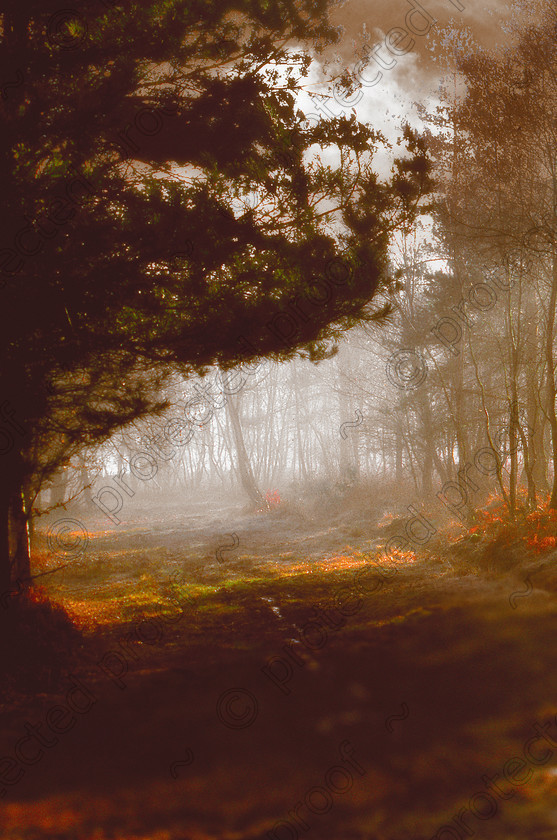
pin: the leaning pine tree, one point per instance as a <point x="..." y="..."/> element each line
<point x="135" y="138"/>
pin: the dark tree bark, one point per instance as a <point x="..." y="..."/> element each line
<point x="5" y="564"/>
<point x="19" y="537"/>
<point x="14" y="543"/>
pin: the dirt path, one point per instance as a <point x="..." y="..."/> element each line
<point x="239" y="719"/>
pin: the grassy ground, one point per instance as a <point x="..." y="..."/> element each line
<point x="236" y="713"/>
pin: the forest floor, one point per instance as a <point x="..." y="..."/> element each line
<point x="237" y="720"/>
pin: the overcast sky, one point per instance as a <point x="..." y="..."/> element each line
<point x="415" y="75"/>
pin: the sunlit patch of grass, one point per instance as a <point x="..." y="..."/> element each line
<point x="195" y="591"/>
<point x="241" y="580"/>
<point x="109" y="605"/>
<point x="89" y="615"/>
<point x="396" y="558"/>
<point x="293" y="584"/>
<point x="338" y="562"/>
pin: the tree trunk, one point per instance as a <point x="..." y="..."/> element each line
<point x="302" y="467"/>
<point x="245" y="471"/>
<point x="551" y="387"/>
<point x="18" y="525"/>
<point x="429" y="444"/>
<point x="538" y="457"/>
<point x="513" y="443"/>
<point x="59" y="489"/>
<point x="345" y="415"/>
<point x="537" y="478"/>
<point x="14" y="530"/>
<point x="86" y="482"/>
<point x="460" y="414"/>
<point x="398" y="455"/>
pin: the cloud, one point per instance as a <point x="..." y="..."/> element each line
<point x="417" y="74"/>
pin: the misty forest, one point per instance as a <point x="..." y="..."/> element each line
<point x="278" y="420"/>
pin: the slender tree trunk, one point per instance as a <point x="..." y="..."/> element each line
<point x="527" y="452"/>
<point x="345" y="415"/>
<point x="302" y="467"/>
<point x="551" y="387"/>
<point x="59" y="489"/>
<point x="245" y="471"/>
<point x="513" y="441"/>
<point x="537" y="478"/>
<point x="538" y="457"/>
<point x="460" y="414"/>
<point x="86" y="483"/>
<point x="514" y="340"/>
<point x="429" y="444"/>
<point x="398" y="456"/>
